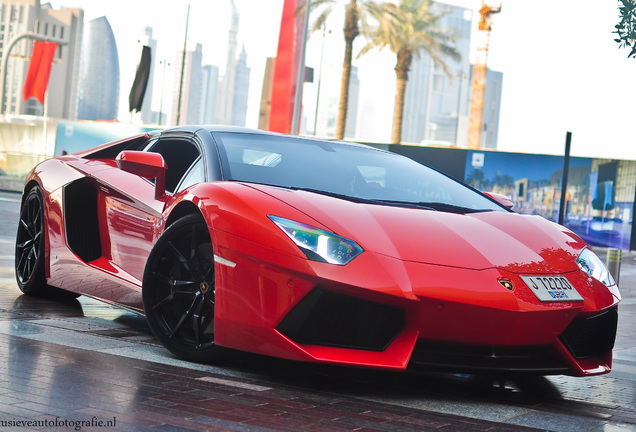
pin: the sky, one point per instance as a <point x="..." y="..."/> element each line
<point x="562" y="70"/>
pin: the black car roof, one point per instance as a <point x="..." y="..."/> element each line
<point x="239" y="129"/>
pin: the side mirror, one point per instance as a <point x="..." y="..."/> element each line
<point x="145" y="164"/>
<point x="501" y="199"/>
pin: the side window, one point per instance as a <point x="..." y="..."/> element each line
<point x="193" y="176"/>
<point x="179" y="156"/>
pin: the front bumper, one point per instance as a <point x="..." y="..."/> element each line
<point x="381" y="312"/>
<point x="584" y="348"/>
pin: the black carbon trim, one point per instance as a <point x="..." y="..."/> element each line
<point x="451" y="357"/>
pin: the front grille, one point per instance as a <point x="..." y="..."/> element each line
<point x="331" y="319"/>
<point x="591" y="336"/>
<point x="451" y="357"/>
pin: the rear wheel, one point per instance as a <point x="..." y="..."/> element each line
<point x="178" y="290"/>
<point x="29" y="245"/>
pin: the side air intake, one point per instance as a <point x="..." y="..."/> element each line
<point x="331" y="319"/>
<point x="80" y="220"/>
<point x="592" y="336"/>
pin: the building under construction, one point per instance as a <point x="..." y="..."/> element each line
<point x="477" y="126"/>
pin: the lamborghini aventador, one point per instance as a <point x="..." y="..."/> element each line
<point x="316" y="251"/>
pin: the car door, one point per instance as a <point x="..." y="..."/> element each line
<point x="133" y="212"/>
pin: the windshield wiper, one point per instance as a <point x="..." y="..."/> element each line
<point x="435" y="206"/>
<point x="406" y="204"/>
<point x="451" y="208"/>
<point x="334" y="195"/>
<point x="362" y="200"/>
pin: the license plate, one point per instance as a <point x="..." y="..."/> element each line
<point x="552" y="288"/>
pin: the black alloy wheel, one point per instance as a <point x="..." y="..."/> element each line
<point x="29" y="245"/>
<point x="178" y="290"/>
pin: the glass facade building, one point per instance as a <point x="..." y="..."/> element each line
<point x="99" y="74"/>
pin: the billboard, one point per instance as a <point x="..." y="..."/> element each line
<point x="599" y="202"/>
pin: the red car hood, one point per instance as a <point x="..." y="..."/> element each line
<point x="517" y="243"/>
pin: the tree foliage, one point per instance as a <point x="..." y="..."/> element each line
<point x="626" y="28"/>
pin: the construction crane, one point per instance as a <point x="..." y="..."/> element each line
<point x="476" y="115"/>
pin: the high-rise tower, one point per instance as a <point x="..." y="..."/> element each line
<point x="210" y="93"/>
<point x="99" y="75"/>
<point x="192" y="88"/>
<point x="435" y="107"/>
<point x="234" y="85"/>
<point x="240" y="90"/>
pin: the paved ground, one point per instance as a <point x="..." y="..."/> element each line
<point x="83" y="364"/>
<point x="49" y="382"/>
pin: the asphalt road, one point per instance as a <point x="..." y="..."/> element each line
<point x="89" y="328"/>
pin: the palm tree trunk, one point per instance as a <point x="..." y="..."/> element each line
<point x="402" y="67"/>
<point x="398" y="110"/>
<point x="351" y="31"/>
<point x="343" y="105"/>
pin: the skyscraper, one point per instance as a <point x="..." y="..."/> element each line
<point x="189" y="110"/>
<point x="436" y="105"/>
<point x="210" y="93"/>
<point x="29" y="16"/>
<point x="99" y="75"/>
<point x="240" y="90"/>
<point x="328" y="109"/>
<point x="234" y="86"/>
<point x="492" y="108"/>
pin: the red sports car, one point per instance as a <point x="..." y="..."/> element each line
<point x="314" y="251"/>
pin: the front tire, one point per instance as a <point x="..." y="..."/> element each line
<point x="178" y="290"/>
<point x="29" y="250"/>
<point x="29" y="245"/>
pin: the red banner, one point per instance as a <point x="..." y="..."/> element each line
<point x="37" y="78"/>
<point x="285" y="69"/>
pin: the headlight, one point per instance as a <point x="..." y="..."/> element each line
<point x="317" y="244"/>
<point x="591" y="264"/>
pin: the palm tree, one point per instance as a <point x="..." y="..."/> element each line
<point x="354" y="15"/>
<point x="408" y="28"/>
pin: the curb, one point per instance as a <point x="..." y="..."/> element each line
<point x="11" y="184"/>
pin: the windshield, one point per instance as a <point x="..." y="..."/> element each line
<point x="348" y="171"/>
